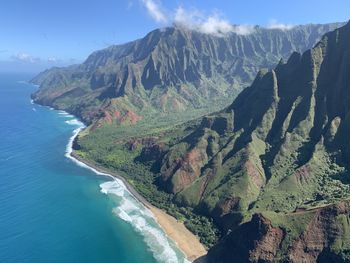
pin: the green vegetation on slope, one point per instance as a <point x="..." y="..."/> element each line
<point x="275" y="160"/>
<point x="271" y="169"/>
<point x="169" y="70"/>
<point x="127" y="159"/>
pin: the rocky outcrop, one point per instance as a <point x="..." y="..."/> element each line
<point x="271" y="168"/>
<point x="320" y="235"/>
<point x="279" y="154"/>
<point x="255" y="241"/>
<point x="258" y="240"/>
<point x="185" y="170"/>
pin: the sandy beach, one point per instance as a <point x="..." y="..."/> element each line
<point x="186" y="241"/>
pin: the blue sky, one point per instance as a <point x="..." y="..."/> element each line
<point x="40" y="33"/>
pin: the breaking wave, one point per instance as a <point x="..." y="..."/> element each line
<point x="65" y="114"/>
<point x="143" y="221"/>
<point x="132" y="211"/>
<point x="75" y="122"/>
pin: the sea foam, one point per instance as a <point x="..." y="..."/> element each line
<point x="69" y="147"/>
<point x="75" y="122"/>
<point x="65" y="114"/>
<point x="132" y="211"/>
<point x="143" y="221"/>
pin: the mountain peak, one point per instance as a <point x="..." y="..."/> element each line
<point x="170" y="70"/>
<point x="279" y="154"/>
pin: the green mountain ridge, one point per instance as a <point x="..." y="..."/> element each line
<point x="271" y="169"/>
<point x="169" y="70"/>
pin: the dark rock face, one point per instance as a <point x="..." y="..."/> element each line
<point x="272" y="168"/>
<point x="220" y="124"/>
<point x="255" y="241"/>
<point x="259" y="241"/>
<point x="321" y="233"/>
<point x="170" y="69"/>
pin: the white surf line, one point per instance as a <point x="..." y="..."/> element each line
<point x="165" y="257"/>
<point x="156" y="239"/>
<point x="65" y="114"/>
<point x="143" y="221"/>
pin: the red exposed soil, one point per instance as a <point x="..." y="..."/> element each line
<point x="260" y="241"/>
<point x="108" y="117"/>
<point x="257" y="178"/>
<point x="319" y="234"/>
<point x="189" y="169"/>
<point x="228" y="205"/>
<point x="118" y="117"/>
<point x="302" y="174"/>
<point x="267" y="246"/>
<point x="130" y="116"/>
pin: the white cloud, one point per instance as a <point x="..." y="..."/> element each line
<point x="244" y="29"/>
<point x="193" y="19"/>
<point x="52" y="60"/>
<point x="190" y="19"/>
<point x="29" y="59"/>
<point x="273" y="24"/>
<point x="213" y="24"/>
<point x="155" y="11"/>
<point x="24" y="57"/>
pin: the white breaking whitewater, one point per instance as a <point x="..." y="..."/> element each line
<point x="130" y="209"/>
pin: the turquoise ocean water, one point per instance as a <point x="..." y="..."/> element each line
<point x="54" y="210"/>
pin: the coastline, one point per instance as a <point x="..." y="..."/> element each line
<point x="188" y="243"/>
<point x="185" y="240"/>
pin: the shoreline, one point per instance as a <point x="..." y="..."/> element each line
<point x="183" y="238"/>
<point x="188" y="242"/>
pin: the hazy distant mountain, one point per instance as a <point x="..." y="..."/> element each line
<point x="169" y="70"/>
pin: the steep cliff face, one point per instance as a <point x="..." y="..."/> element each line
<point x="171" y="69"/>
<point x="273" y="168"/>
<point x="319" y="235"/>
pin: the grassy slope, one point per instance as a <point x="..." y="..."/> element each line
<point x="223" y="153"/>
<point x="282" y="155"/>
<point x="112" y="147"/>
